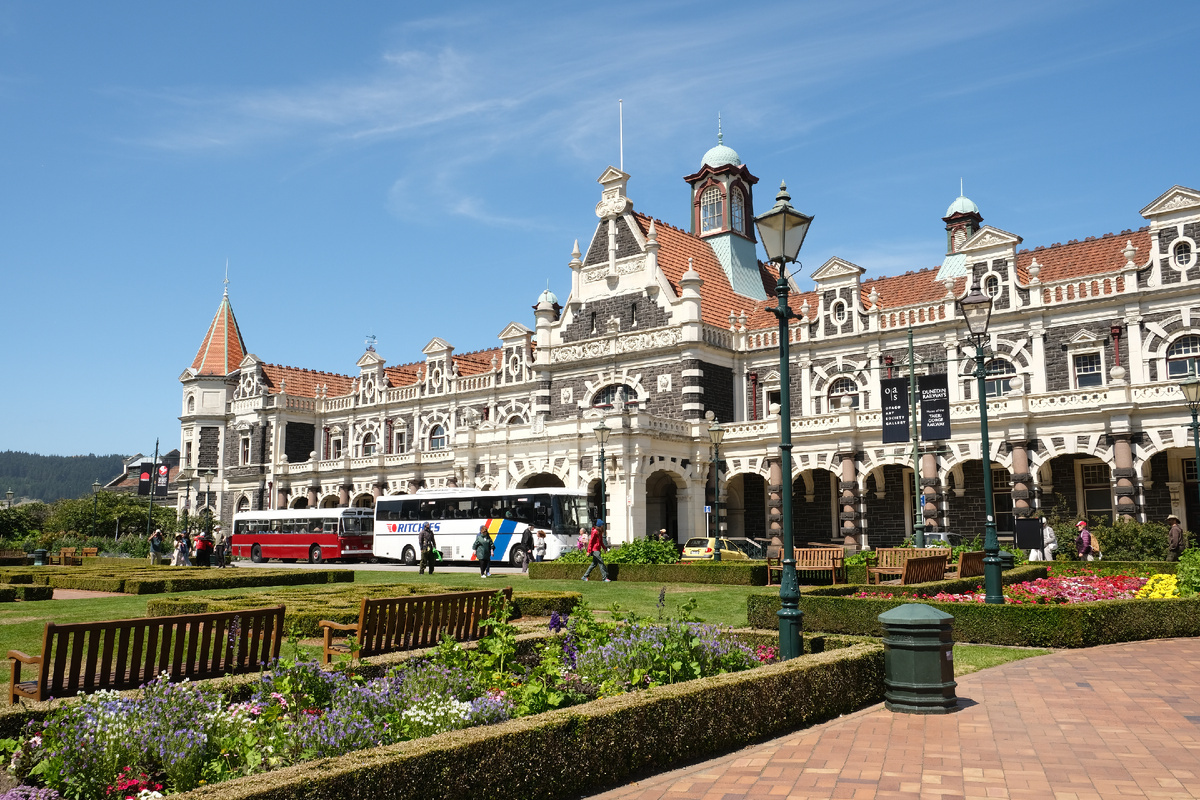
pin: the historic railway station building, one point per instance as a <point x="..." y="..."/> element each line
<point x="664" y="326"/>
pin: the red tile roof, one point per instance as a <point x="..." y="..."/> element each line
<point x="304" y="382"/>
<point x="222" y="349"/>
<point x="717" y="295"/>
<point x="477" y="362"/>
<point x="908" y="289"/>
<point x="1093" y="255"/>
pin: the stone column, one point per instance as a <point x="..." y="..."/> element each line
<point x="313" y="498"/>
<point x="343" y="496"/>
<point x="930" y="490"/>
<point x="1022" y="480"/>
<point x="775" y="500"/>
<point x="377" y="490"/>
<point x="282" y="501"/>
<point x="1123" y="477"/>
<point x="848" y="489"/>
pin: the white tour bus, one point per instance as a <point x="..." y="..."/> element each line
<point x="456" y="514"/>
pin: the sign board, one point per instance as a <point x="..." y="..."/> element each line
<point x="895" y="410"/>
<point x="934" y="394"/>
<point x="144" y="479"/>
<point x="161" y="479"/>
<point x="1028" y="533"/>
<point x="708" y="509"/>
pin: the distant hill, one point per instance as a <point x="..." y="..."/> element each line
<point x="50" y="478"/>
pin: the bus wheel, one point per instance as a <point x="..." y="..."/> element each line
<point x="517" y="557"/>
<point x="409" y="557"/>
<point x="256" y="554"/>
<point x="314" y="554"/>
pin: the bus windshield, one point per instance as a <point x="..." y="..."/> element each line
<point x="355" y="525"/>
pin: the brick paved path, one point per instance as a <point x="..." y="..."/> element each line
<point x="1121" y="721"/>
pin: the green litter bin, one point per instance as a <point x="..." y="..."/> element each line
<point x="918" y="648"/>
<point x="39" y="558"/>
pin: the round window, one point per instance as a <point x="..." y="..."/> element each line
<point x="1182" y="253"/>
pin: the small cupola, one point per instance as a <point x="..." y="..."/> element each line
<point x="962" y="222"/>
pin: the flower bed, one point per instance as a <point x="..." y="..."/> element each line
<point x="1069" y="589"/>
<point x="186" y="735"/>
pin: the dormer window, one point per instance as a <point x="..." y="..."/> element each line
<point x="711" y="210"/>
<point x="737" y="208"/>
<point x="1182" y="254"/>
<point x="991" y="286"/>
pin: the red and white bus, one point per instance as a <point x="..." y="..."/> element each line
<point x="314" y="534"/>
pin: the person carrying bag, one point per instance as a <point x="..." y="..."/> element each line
<point x="428" y="549"/>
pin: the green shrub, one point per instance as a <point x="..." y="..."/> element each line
<point x="8" y="594"/>
<point x="735" y="573"/>
<point x="89" y="583"/>
<point x="639" y="551"/>
<point x="16" y="577"/>
<point x="29" y="593"/>
<point x="1188" y="572"/>
<point x="541" y="604"/>
<point x="1132" y="541"/>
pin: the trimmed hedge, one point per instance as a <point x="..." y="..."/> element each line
<point x="305" y="608"/>
<point x="583" y="749"/>
<point x="7" y="594"/>
<point x="144" y="579"/>
<point x="30" y="593"/>
<point x="734" y="573"/>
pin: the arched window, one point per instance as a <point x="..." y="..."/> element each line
<point x="737" y="211"/>
<point x="191" y="404"/>
<point x="839" y="311"/>
<point x="437" y="438"/>
<point x="991" y="286"/>
<point x="1182" y="254"/>
<point x="616" y="394"/>
<point x="243" y="504"/>
<point x="1183" y="356"/>
<point x="516" y="419"/>
<point x="999" y="377"/>
<point x="711" y="210"/>
<point x="368" y="444"/>
<point x="842" y="387"/>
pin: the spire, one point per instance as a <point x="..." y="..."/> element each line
<point x="720" y="136"/>
<point x="223" y="348"/>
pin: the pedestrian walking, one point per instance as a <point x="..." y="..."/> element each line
<point x="1049" y="543"/>
<point x="595" y="547"/>
<point x="219" y="550"/>
<point x="527" y="548"/>
<point x="182" y="557"/>
<point x="156" y="548"/>
<point x="428" y="547"/>
<point x="1174" y="538"/>
<point x="483" y="547"/>
<point x="539" y="547"/>
<point x="204" y="544"/>
<point x="1083" y="542"/>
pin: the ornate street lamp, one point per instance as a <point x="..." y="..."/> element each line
<point x="184" y="476"/>
<point x="716" y="433"/>
<point x="95" y="503"/>
<point x="1191" y="391"/>
<point x="602" y="431"/>
<point x="782" y="230"/>
<point x="9" y="496"/>
<point x="976" y="309"/>
<point x="208" y="518"/>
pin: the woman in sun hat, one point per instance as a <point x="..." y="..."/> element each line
<point x="1083" y="541"/>
<point x="1174" y="538"/>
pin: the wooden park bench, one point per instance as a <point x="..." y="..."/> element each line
<point x="126" y="653"/>
<point x="391" y="624"/>
<point x="921" y="569"/>
<point x="889" y="561"/>
<point x="65" y="557"/>
<point x="970" y="565"/>
<point x="813" y="559"/>
<point x="91" y="552"/>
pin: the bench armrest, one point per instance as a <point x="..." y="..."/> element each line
<point x="17" y="655"/>
<point x="337" y="625"/>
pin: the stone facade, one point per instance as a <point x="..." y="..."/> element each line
<point x="665" y="324"/>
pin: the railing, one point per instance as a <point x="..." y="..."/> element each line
<point x="299" y="469"/>
<point x="437" y="456"/>
<point x="717" y="336"/>
<point x="297" y="403"/>
<point x="1157" y="393"/>
<point x="674" y="427"/>
<point x="364" y="462"/>
<point x="399" y="459"/>
<point x="903" y="317"/>
<point x="749" y="430"/>
<point x="402" y="393"/>
<point x="338" y="403"/>
<point x="1076" y="398"/>
<point x="476" y="382"/>
<point x="1096" y="286"/>
<point x="251" y="404"/>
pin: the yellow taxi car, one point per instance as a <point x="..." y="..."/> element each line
<point x="731" y="549"/>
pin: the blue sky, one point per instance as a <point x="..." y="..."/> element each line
<point x="410" y="170"/>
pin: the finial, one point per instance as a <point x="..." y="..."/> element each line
<point x="783" y="195"/>
<point x="653" y="233"/>
<point x="227" y="276"/>
<point x="720" y="135"/>
<point x="960" y="188"/>
<point x="371" y="339"/>
<point x="575" y="251"/>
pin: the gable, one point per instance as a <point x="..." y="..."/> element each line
<point x="988" y="237"/>
<point x="1177" y="198"/>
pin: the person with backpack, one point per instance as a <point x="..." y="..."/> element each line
<point x="428" y="549"/>
<point x="595" y="547"/>
<point x="1083" y="541"/>
<point x="483" y="547"/>
<point x="527" y="546"/>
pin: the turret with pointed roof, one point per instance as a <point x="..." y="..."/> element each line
<point x="223" y="348"/>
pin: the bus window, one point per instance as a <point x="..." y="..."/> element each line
<point x="366" y="524"/>
<point x="276" y="526"/>
<point x="240" y="527"/>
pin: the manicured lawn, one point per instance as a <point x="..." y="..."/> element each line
<point x="970" y="658"/>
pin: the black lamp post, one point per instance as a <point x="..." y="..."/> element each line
<point x="208" y="479"/>
<point x="1191" y="391"/>
<point x="602" y="431"/>
<point x="185" y="477"/>
<point x="976" y="309"/>
<point x="9" y="496"/>
<point x="95" y="504"/>
<point x="782" y="231"/>
<point x="716" y="433"/>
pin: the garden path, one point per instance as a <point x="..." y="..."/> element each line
<point x="1106" y="722"/>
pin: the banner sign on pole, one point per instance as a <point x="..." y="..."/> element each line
<point x="935" y="406"/>
<point x="160" y="480"/>
<point x="895" y="410"/>
<point x="144" y="481"/>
